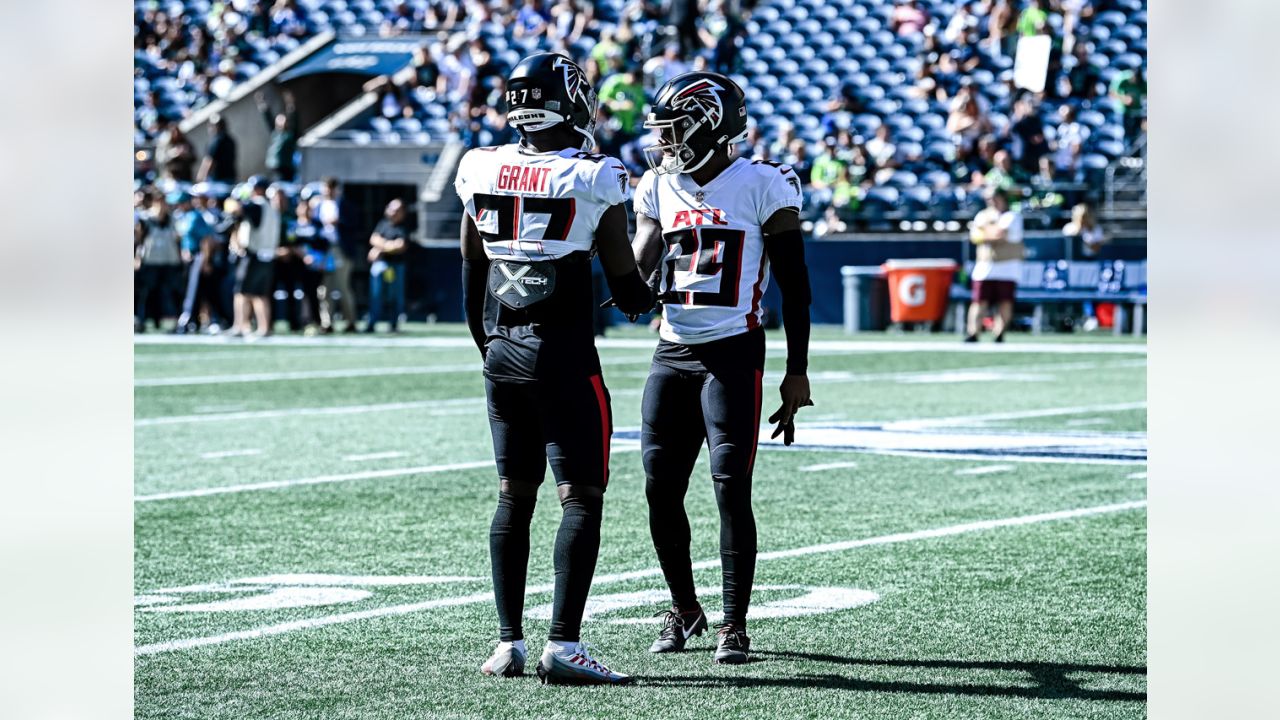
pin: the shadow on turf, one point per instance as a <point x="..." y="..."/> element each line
<point x="1052" y="679"/>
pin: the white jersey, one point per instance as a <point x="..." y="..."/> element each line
<point x="538" y="206"/>
<point x="717" y="269"/>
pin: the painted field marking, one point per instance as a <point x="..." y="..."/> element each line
<point x="331" y="374"/>
<point x="229" y="453"/>
<point x="376" y="456"/>
<point x="346" y="477"/>
<point x="1136" y="476"/>
<point x="984" y="470"/>
<point x="1086" y="422"/>
<point x="814" y="600"/>
<point x="828" y="466"/>
<point x="337" y="373"/>
<point x="619" y="447"/>
<point x="481" y="597"/>
<point x="450" y="406"/>
<point x="848" y="346"/>
<point x="1011" y="415"/>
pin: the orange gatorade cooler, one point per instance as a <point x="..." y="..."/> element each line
<point x="918" y="289"/>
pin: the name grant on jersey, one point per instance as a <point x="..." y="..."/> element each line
<point x="523" y="179"/>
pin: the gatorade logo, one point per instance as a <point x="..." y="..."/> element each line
<point x="911" y="290"/>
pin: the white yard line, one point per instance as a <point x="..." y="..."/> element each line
<point x="229" y="453"/>
<point x="1136" y="476"/>
<point x="303" y="375"/>
<point x="828" y="466"/>
<point x="482" y="597"/>
<point x="390" y="454"/>
<point x="1011" y="415"/>
<point x="345" y="477"/>
<point x="450" y="406"/>
<point x="984" y="470"/>
<point x="618" y="447"/>
<point x="1086" y="422"/>
<point x="851" y="346"/>
<point x="988" y="457"/>
<point x="337" y="373"/>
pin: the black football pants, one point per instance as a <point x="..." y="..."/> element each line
<point x="568" y="424"/>
<point x="683" y="408"/>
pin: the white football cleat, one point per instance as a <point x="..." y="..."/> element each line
<point x="576" y="667"/>
<point x="507" y="661"/>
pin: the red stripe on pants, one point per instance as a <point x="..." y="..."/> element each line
<point x="605" y="429"/>
<point x="755" y="440"/>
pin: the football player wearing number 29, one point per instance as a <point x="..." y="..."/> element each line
<point x="536" y="212"/>
<point x="709" y="227"/>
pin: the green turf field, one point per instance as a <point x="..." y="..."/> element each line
<point x="960" y="533"/>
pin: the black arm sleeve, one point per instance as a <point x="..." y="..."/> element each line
<point x="475" y="274"/>
<point x="786" y="257"/>
<point x="631" y="293"/>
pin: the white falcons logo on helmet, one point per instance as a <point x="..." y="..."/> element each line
<point x="703" y="94"/>
<point x="575" y="81"/>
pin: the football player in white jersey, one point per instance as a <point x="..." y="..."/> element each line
<point x="713" y="226"/>
<point x="536" y="212"/>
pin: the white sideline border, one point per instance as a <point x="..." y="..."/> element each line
<point x="393" y="610"/>
<point x="461" y="341"/>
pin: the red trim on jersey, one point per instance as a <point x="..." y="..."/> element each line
<point x="573" y="212"/>
<point x="753" y="319"/>
<point x="515" y="220"/>
<point x="755" y="441"/>
<point x="606" y="428"/>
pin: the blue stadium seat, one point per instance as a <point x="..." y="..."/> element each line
<point x="380" y="124"/>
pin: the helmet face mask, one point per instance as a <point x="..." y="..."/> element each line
<point x="696" y="114"/>
<point x="546" y="90"/>
<point x="672" y="155"/>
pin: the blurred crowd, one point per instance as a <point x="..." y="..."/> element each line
<point x="221" y="259"/>
<point x="985" y="131"/>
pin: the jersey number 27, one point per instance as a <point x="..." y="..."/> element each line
<point x="553" y="215"/>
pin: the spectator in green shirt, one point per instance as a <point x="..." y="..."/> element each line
<point x="826" y="173"/>
<point x="1000" y="176"/>
<point x="623" y="97"/>
<point x="284" y="136"/>
<point x="1129" y="90"/>
<point x="1033" y="20"/>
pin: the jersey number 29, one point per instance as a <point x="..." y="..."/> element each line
<point x="705" y="251"/>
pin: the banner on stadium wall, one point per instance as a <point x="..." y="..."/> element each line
<point x="358" y="56"/>
<point x="1031" y="63"/>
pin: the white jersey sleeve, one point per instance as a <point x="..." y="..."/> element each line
<point x="646" y="200"/>
<point x="465" y="188"/>
<point x="611" y="183"/>
<point x="780" y="190"/>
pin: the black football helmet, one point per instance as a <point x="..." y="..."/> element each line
<point x="547" y="89"/>
<point x="695" y="115"/>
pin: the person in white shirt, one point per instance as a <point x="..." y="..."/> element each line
<point x="997" y="234"/>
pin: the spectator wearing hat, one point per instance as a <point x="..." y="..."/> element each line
<point x="157" y="261"/>
<point x="219" y="163"/>
<point x="283" y="143"/>
<point x="387" y="254"/>
<point x="334" y="228"/>
<point x="997" y="234"/>
<point x="197" y="245"/>
<point x="260" y="224"/>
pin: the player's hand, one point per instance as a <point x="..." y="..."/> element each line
<point x="795" y="395"/>
<point x="631" y="317"/>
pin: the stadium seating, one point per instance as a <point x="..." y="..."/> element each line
<point x="796" y="56"/>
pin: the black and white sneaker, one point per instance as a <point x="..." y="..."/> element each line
<point x="507" y="660"/>
<point x="732" y="645"/>
<point x="677" y="629"/>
